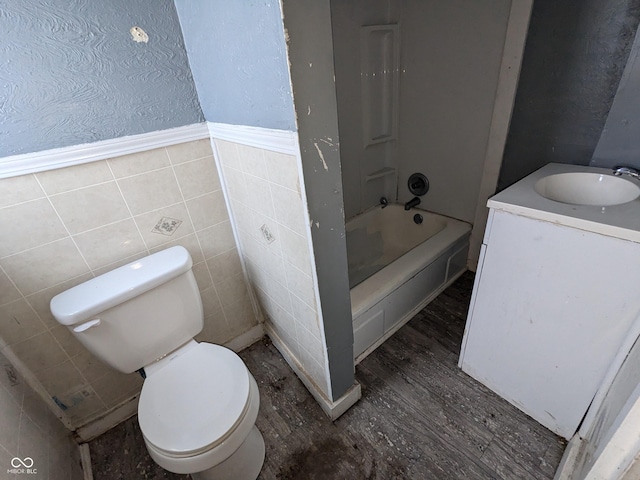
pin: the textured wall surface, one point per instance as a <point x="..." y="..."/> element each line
<point x="71" y="73"/>
<point x="239" y="61"/>
<point x="574" y="58"/>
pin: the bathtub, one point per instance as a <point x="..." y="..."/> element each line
<point x="396" y="267"/>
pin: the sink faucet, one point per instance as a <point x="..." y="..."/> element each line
<point x="412" y="203"/>
<point x="632" y="172"/>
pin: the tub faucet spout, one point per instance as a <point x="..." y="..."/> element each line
<point x="415" y="201"/>
<point x="622" y="170"/>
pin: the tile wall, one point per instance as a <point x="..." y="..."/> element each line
<point x="28" y="429"/>
<point x="273" y="229"/>
<point x="62" y="227"/>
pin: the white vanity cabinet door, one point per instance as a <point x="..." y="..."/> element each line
<point x="551" y="305"/>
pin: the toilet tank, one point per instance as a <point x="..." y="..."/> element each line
<point x="135" y="314"/>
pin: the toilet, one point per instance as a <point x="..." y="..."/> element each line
<point x="199" y="402"/>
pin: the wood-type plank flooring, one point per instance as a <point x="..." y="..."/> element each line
<point x="420" y="417"/>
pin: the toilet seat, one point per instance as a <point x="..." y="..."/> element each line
<point x="195" y="401"/>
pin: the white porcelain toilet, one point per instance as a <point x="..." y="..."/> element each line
<point x="199" y="402"/>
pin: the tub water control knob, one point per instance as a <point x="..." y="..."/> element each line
<point x="418" y="184"/>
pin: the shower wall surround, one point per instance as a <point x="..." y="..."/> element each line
<point x="450" y="59"/>
<point x="65" y="226"/>
<point x="272" y="225"/>
<point x="72" y="73"/>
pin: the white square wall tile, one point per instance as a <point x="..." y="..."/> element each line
<point x="235" y="184"/>
<point x="78" y="176"/>
<point x="203" y="278"/>
<point x="275" y="267"/>
<point x="198" y="177"/>
<point x="45" y="266"/>
<point x="242" y="215"/>
<point x="18" y="322"/>
<point x="39" y="352"/>
<point x="217" y="239"/>
<point x="289" y="209"/>
<point x="231" y="289"/>
<point x="207" y="210"/>
<point x="240" y="316"/>
<point x="305" y="316"/>
<point x="310" y="344"/>
<point x="19" y="189"/>
<point x="164" y="225"/>
<point x="188" y="151"/>
<point x="28" y="225"/>
<point x="139" y="162"/>
<point x="190" y="242"/>
<point x="90" y="207"/>
<point x="111" y="243"/>
<point x="277" y="292"/>
<point x="252" y="161"/>
<point x="211" y="305"/>
<point x="227" y="263"/>
<point x="228" y="153"/>
<point x="283" y="169"/>
<point x="301" y="285"/>
<point x="252" y="249"/>
<point x="258" y="196"/>
<point x="314" y="370"/>
<point x="9" y="422"/>
<point x="150" y="191"/>
<point x="31" y="445"/>
<point x="295" y="249"/>
<point x="8" y="293"/>
<point x="62" y="379"/>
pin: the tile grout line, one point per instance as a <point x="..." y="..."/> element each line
<point x="198" y="238"/>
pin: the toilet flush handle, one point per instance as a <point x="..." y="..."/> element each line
<point x="87" y="325"/>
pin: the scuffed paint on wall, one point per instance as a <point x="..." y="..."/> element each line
<point x="71" y="74"/>
<point x="320" y="154"/>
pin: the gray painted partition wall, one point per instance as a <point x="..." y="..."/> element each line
<point x="238" y="72"/>
<point x="575" y="54"/>
<point x="71" y="73"/>
<point x="308" y="23"/>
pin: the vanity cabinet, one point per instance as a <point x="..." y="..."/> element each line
<point x="551" y="306"/>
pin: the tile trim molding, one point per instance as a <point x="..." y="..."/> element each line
<point x="283" y="141"/>
<point x="15" y="165"/>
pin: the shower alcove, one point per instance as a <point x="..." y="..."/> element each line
<point x="421" y="87"/>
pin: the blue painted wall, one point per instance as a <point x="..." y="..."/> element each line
<point x="238" y="58"/>
<point x="70" y="72"/>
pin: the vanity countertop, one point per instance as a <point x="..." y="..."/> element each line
<point x="620" y="221"/>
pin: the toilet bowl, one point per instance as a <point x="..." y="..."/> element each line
<point x="199" y="402"/>
<point x="197" y="412"/>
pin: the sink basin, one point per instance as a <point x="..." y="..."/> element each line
<point x="587" y="188"/>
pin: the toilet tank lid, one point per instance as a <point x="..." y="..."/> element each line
<point x="94" y="296"/>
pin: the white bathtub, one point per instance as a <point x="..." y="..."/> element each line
<point x="396" y="267"/>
